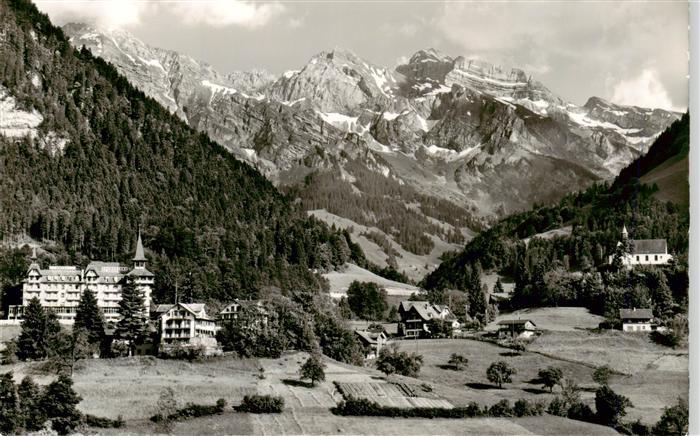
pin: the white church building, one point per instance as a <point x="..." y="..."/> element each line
<point x="643" y="251"/>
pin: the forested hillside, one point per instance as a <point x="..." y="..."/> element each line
<point x="547" y="270"/>
<point x="96" y="160"/>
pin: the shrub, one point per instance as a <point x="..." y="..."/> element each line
<point x="557" y="407"/>
<point x="192" y="410"/>
<point x="261" y="404"/>
<point x="501" y="409"/>
<point x="365" y="407"/>
<point x="602" y="374"/>
<point x="668" y="339"/>
<point x="457" y="362"/>
<point x="99" y="422"/>
<point x="180" y="352"/>
<point x="525" y="408"/>
<point x="674" y="420"/>
<point x="391" y="360"/>
<point x="581" y="411"/>
<point x="610" y="407"/>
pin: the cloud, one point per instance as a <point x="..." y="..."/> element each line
<point x="104" y="13"/>
<point x="221" y="13"/>
<point x="645" y="90"/>
<point x="124" y="13"/>
<point x="574" y="47"/>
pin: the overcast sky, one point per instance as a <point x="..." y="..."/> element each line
<point x="632" y="52"/>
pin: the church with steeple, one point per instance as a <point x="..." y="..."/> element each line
<point x="642" y="251"/>
<point x="59" y="288"/>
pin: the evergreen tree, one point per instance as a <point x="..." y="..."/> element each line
<point x="133" y="325"/>
<point x="59" y="403"/>
<point x="477" y="296"/>
<point x="29" y="397"/>
<point x="498" y="287"/>
<point x="10" y="414"/>
<point x="89" y="317"/>
<point x="38" y="329"/>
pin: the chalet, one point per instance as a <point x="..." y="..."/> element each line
<point x="516" y="328"/>
<point x="253" y="310"/>
<point x="372" y="341"/>
<point x="416" y="315"/>
<point x="643" y="251"/>
<point x="636" y="320"/>
<point x="185" y="324"/>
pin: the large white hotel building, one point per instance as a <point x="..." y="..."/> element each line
<point x="59" y="288"/>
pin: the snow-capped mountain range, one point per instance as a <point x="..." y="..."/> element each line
<point x="488" y="139"/>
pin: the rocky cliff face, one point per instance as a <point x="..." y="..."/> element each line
<point x="488" y="139"/>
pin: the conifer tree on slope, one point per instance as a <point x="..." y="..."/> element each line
<point x="89" y="317"/>
<point x="38" y="329"/>
<point x="133" y="325"/>
<point x="10" y="415"/>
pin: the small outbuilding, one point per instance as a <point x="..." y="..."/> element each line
<point x="516" y="328"/>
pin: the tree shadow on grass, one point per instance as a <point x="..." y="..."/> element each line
<point x="449" y="367"/>
<point x="296" y="383"/>
<point x="535" y="391"/>
<point x="481" y="386"/>
<point x="510" y="353"/>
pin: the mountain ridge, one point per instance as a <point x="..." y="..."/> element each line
<point x="487" y="140"/>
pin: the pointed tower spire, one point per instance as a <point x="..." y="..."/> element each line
<point x="34" y="265"/>
<point x="625" y="235"/>
<point x="139" y="257"/>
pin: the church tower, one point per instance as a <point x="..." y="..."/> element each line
<point x="143" y="278"/>
<point x="139" y="257"/>
<point x="625" y="235"/>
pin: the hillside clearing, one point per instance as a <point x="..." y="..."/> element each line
<point x="413" y="265"/>
<point x="340" y="282"/>
<point x="553" y="318"/>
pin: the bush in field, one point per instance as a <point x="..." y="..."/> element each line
<point x="182" y="352"/>
<point x="98" y="422"/>
<point x="192" y="410"/>
<point x="365" y="407"/>
<point x="550" y="377"/>
<point x="393" y="361"/>
<point x="166" y="406"/>
<point x="526" y="408"/>
<point x="458" y="362"/>
<point x="501" y="409"/>
<point x="500" y="372"/>
<point x="602" y="374"/>
<point x="261" y="404"/>
<point x="557" y="407"/>
<point x="610" y="407"/>
<point x="674" y="421"/>
<point x="581" y="411"/>
<point x="312" y="369"/>
<point x="667" y="339"/>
